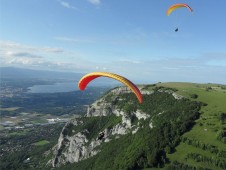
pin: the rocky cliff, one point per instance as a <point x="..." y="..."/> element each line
<point x="75" y="145"/>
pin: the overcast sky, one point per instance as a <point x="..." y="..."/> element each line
<point x="133" y="38"/>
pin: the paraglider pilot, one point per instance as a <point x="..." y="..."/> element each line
<point x="101" y="135"/>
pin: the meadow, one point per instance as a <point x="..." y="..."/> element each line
<point x="207" y="128"/>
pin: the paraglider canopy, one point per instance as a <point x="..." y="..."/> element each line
<point x="84" y="81"/>
<point x="176" y="6"/>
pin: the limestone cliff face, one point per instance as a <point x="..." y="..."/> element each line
<point x="77" y="147"/>
<point x="72" y="148"/>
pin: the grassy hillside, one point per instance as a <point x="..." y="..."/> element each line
<point x="169" y="119"/>
<point x="206" y="140"/>
<point x="188" y="134"/>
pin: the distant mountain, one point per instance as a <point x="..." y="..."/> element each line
<point x="21" y="73"/>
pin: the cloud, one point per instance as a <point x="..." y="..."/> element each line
<point x="167" y="70"/>
<point x="44" y="64"/>
<point x="217" y="62"/>
<point x="16" y="54"/>
<point x="102" y="68"/>
<point x="52" y="50"/>
<point x="171" y="68"/>
<point x="21" y="61"/>
<point x="18" y="48"/>
<point x="214" y="56"/>
<point x="21" y="54"/>
<point x="66" y="4"/>
<point x="197" y="69"/>
<point x="214" y="59"/>
<point x="95" y="2"/>
<point x="130" y="61"/>
<point x="73" y="40"/>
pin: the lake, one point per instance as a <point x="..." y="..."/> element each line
<point x="65" y="87"/>
<point x="54" y="88"/>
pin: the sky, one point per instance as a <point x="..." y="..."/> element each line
<point x="132" y="38"/>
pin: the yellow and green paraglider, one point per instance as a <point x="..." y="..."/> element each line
<point x="84" y="81"/>
<point x="176" y="6"/>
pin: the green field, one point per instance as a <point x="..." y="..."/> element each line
<point x="19" y="133"/>
<point x="41" y="143"/>
<point x="1" y="127"/>
<point x="207" y="126"/>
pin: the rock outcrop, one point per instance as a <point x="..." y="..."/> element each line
<point x="77" y="147"/>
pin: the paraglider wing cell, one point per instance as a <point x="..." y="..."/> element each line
<point x="175" y="6"/>
<point x="84" y="81"/>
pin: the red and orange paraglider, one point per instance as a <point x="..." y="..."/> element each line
<point x="84" y="81"/>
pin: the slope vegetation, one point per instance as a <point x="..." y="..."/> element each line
<point x="146" y="144"/>
<point x="204" y="145"/>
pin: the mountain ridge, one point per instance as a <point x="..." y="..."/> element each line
<point x="18" y="73"/>
<point x="137" y="120"/>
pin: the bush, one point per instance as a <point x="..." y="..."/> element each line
<point x="194" y="96"/>
<point x="208" y="88"/>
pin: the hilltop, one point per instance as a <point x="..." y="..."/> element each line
<point x="178" y="126"/>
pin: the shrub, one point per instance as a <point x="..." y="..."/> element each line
<point x="194" y="96"/>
